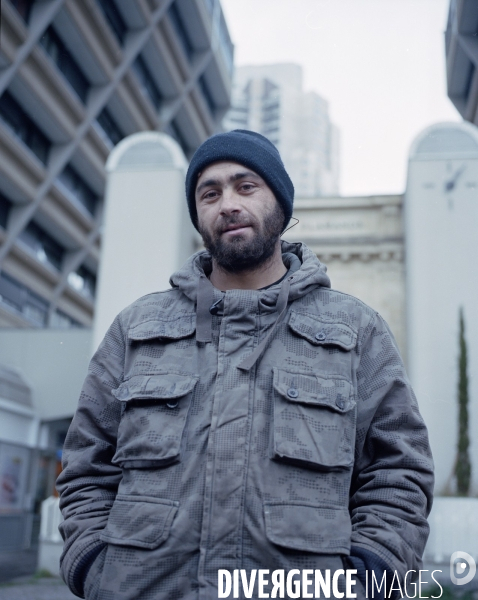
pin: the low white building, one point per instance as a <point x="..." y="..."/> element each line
<point x="41" y="372"/>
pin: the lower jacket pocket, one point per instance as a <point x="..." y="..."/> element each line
<point x="139" y="521"/>
<point x="308" y="527"/>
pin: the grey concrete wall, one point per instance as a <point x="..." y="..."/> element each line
<point x="360" y="240"/>
<point x="53" y="362"/>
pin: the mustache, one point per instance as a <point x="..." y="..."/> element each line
<point x="235" y="220"/>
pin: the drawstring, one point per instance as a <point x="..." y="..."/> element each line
<point x="205" y="299"/>
<point x="281" y="306"/>
<point x="291" y="261"/>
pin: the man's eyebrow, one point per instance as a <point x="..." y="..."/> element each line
<point x="232" y="179"/>
<point x="207" y="183"/>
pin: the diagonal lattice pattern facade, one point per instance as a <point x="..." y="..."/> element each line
<point x="76" y="76"/>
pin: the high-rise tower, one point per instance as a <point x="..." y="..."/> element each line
<point x="270" y="99"/>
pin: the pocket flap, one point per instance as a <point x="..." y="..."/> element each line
<point x="334" y="392"/>
<point x="322" y="332"/>
<point x="170" y="329"/>
<point x="307" y="527"/>
<point x="140" y="521"/>
<point x="166" y="386"/>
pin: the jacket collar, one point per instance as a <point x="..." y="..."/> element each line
<point x="311" y="274"/>
<point x="305" y="274"/>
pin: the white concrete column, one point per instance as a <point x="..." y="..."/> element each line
<point x="147" y="231"/>
<point x="441" y="225"/>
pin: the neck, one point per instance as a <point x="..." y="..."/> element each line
<point x="253" y="279"/>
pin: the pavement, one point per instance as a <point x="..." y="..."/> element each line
<point x="18" y="563"/>
<point x="35" y="588"/>
<point x="19" y="579"/>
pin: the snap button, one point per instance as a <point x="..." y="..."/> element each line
<point x="172" y="404"/>
<point x="292" y="393"/>
<point x="340" y="402"/>
<point x="321" y="336"/>
<point x="123" y="393"/>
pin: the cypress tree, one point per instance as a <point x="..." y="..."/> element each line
<point x="463" y="465"/>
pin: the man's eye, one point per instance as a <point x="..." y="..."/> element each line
<point x="210" y="194"/>
<point x="246" y="187"/>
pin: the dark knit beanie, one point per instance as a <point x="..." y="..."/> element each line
<point x="247" y="148"/>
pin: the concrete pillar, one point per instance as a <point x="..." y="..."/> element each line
<point x="147" y="231"/>
<point x="441" y="225"/>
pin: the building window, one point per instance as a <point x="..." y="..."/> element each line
<point x="177" y="134"/>
<point x="114" y="18"/>
<point x="270" y="105"/>
<point x="21" y="124"/>
<point x="17" y="296"/>
<point x="78" y="187"/>
<point x="268" y="117"/>
<point x="5" y="206"/>
<point x="110" y="126"/>
<point x="210" y="6"/>
<point x="180" y="29"/>
<point x="147" y="82"/>
<point x="62" y="58"/>
<point x="226" y="44"/>
<point x="469" y="80"/>
<point x="46" y="249"/>
<point x="83" y="281"/>
<point x="270" y="129"/>
<point x="23" y="8"/>
<point x="238" y="122"/>
<point x="60" y="320"/>
<point x="207" y="95"/>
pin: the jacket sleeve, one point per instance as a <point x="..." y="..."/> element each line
<point x="89" y="481"/>
<point x="392" y="482"/>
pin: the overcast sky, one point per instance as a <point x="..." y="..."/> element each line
<point x="379" y="63"/>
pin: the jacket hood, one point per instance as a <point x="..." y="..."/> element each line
<point x="310" y="274"/>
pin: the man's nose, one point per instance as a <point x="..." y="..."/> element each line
<point x="230" y="202"/>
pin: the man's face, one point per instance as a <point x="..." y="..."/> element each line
<point x="239" y="217"/>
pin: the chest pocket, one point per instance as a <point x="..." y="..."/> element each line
<point x="321" y="332"/>
<point x="154" y="416"/>
<point x="314" y="420"/>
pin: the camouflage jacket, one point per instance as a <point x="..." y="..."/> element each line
<point x="277" y="433"/>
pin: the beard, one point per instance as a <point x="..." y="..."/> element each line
<point x="240" y="254"/>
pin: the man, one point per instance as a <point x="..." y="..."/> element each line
<point x="248" y="418"/>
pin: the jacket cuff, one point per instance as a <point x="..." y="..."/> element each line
<point x="365" y="562"/>
<point x="74" y="573"/>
